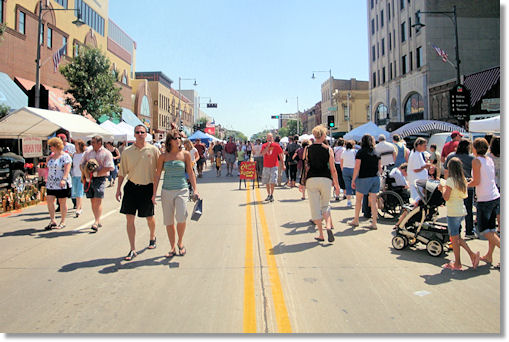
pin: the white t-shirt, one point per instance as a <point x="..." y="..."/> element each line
<point x="385" y="150"/>
<point x="76" y="162"/>
<point x="257" y="150"/>
<point x="399" y="179"/>
<point x="194" y="154"/>
<point x="348" y="158"/>
<point x="69" y="148"/>
<point x="338" y="152"/>
<point x="416" y="161"/>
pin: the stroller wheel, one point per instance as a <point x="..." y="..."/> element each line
<point x="434" y="248"/>
<point x="399" y="242"/>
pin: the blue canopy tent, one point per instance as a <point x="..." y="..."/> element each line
<point x="368" y="128"/>
<point x="205" y="138"/>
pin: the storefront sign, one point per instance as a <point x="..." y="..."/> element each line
<point x="247" y="170"/>
<point x="460" y="102"/>
<point x="32" y="147"/>
<point x="491" y="105"/>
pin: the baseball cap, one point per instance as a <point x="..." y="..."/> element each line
<point x="62" y="136"/>
<point x="455" y="133"/>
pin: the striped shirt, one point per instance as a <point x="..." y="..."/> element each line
<point x="174" y="175"/>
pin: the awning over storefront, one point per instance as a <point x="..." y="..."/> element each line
<point x="130" y="118"/>
<point x="10" y="94"/>
<point x="426" y="126"/>
<point x="480" y="83"/>
<point x="36" y="122"/>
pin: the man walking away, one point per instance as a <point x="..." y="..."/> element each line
<point x="139" y="163"/>
<point x="200" y="147"/>
<point x="230" y="150"/>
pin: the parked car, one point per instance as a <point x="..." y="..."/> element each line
<point x="12" y="170"/>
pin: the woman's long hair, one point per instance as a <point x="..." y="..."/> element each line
<point x="455" y="167"/>
<point x="463" y="146"/>
<point x="171" y="135"/>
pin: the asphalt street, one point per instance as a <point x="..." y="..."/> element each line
<point x="250" y="267"/>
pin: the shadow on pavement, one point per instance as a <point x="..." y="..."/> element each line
<point x="251" y="203"/>
<point x="59" y="233"/>
<point x="290" y="200"/>
<point x="30" y="214"/>
<point x="352" y="232"/>
<point x="296" y="225"/>
<point x="21" y="232"/>
<point x="446" y="275"/>
<point x="115" y="264"/>
<point x="280" y="248"/>
<point x="418" y="255"/>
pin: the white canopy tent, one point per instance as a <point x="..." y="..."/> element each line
<point x="128" y="130"/>
<point x="36" y="122"/>
<point x="490" y="125"/>
<point x="118" y="135"/>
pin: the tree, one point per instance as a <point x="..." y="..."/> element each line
<point x="4" y="110"/>
<point x="236" y="134"/>
<point x="292" y="128"/>
<point x="92" y="84"/>
<point x="283" y="132"/>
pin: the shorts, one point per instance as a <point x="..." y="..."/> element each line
<point x="96" y="189"/>
<point x="370" y="185"/>
<point x="319" y="189"/>
<point x="487" y="216"/>
<point x="454" y="225"/>
<point x="269" y="175"/>
<point x="138" y="198"/>
<point x="60" y="193"/>
<point x="77" y="187"/>
<point x="174" y="205"/>
<point x="201" y="161"/>
<point x="230" y="158"/>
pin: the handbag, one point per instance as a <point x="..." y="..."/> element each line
<point x="305" y="167"/>
<point x="197" y="210"/>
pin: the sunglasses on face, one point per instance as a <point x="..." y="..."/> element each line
<point x="140" y="132"/>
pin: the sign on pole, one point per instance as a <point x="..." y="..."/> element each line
<point x="32" y="147"/>
<point x="460" y="102"/>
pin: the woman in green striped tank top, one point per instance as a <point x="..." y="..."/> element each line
<point x="176" y="163"/>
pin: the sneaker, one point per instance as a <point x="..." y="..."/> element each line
<point x="349" y="204"/>
<point x="337" y="198"/>
<point x="267" y="199"/>
<point x="271" y="198"/>
<point x="78" y="213"/>
<point x="470" y="236"/>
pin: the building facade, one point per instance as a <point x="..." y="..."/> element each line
<point x="165" y="103"/>
<point x="403" y="62"/>
<point x="351" y="103"/>
<point x="311" y="117"/>
<point x="18" y="49"/>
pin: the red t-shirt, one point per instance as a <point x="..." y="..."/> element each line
<point x="201" y="149"/>
<point x="230" y="148"/>
<point x="449" y="147"/>
<point x="270" y="159"/>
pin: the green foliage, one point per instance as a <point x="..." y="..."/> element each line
<point x="292" y="128"/>
<point x="261" y="135"/>
<point x="4" y="110"/>
<point x="236" y="134"/>
<point x="283" y="132"/>
<point x="92" y="85"/>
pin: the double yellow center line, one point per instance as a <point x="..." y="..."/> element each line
<point x="281" y="312"/>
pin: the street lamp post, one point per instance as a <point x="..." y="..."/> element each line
<point x="78" y="22"/>
<point x="330" y="92"/>
<point x="180" y="111"/>
<point x="298" y="115"/>
<point x="418" y="25"/>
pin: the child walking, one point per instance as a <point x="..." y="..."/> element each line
<point x="454" y="192"/>
<point x="218" y="164"/>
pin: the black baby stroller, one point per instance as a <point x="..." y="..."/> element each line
<point x="419" y="223"/>
<point x="392" y="198"/>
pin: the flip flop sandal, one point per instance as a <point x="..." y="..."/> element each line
<point x="60" y="226"/>
<point x="320" y="240"/>
<point x="95" y="227"/>
<point x="152" y="244"/>
<point x="50" y="226"/>
<point x="351" y="223"/>
<point x="182" y="251"/>
<point x="330" y="236"/>
<point x="130" y="256"/>
<point x="451" y="267"/>
<point x="170" y="254"/>
<point x="485" y="260"/>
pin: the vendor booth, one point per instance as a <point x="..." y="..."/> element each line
<point x="491" y="125"/>
<point x="368" y="128"/>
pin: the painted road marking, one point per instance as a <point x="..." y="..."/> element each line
<point x="249" y="289"/>
<point x="89" y="223"/>
<point x="282" y="318"/>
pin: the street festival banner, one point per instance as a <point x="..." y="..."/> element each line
<point x="32" y="147"/>
<point x="247" y="170"/>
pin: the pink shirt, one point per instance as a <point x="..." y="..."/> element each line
<point x="103" y="157"/>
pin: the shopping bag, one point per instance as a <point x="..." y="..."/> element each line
<point x="197" y="210"/>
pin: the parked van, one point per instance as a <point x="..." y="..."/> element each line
<point x="440" y="139"/>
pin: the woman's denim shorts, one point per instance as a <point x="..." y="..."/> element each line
<point x="454" y="225"/>
<point x="370" y="185"/>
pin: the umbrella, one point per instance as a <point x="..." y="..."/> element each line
<point x="426" y="126"/>
<point x="284" y="140"/>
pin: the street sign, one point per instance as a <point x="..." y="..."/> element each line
<point x="333" y="109"/>
<point x="274" y="117"/>
<point x="285" y="116"/>
<point x="460" y="102"/>
<point x="211" y="105"/>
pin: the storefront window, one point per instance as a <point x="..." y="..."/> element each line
<point x="414" y="108"/>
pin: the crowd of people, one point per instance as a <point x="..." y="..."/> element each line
<point x="469" y="173"/>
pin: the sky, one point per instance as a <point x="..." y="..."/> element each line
<point x="251" y="57"/>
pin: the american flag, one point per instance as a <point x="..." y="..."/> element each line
<point x="58" y="56"/>
<point x="441" y="53"/>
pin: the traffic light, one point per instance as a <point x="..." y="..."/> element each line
<point x="274" y="117"/>
<point x="330" y="121"/>
<point x="181" y="125"/>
